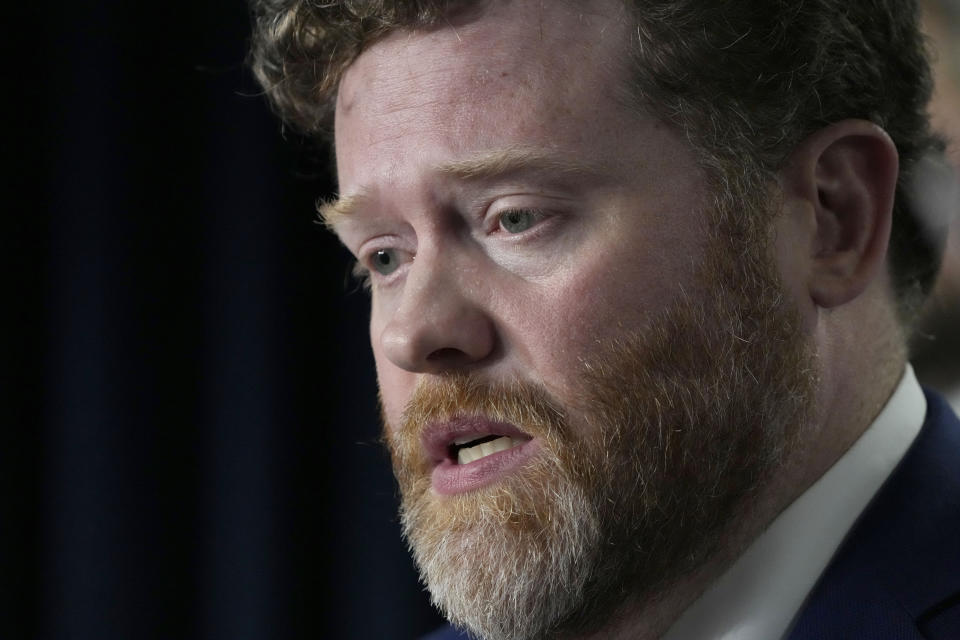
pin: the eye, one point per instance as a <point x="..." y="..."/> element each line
<point x="385" y="261"/>
<point x="518" y="220"/>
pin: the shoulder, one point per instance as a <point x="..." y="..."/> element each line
<point x="897" y="575"/>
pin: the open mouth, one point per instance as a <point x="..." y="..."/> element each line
<point x="467" y="449"/>
<point x="468" y="439"/>
<point x="470" y="452"/>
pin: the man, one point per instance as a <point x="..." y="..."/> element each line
<point x="642" y="275"/>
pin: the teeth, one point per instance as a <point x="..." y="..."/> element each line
<point x="471" y="454"/>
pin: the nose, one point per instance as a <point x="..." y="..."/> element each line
<point x="439" y="325"/>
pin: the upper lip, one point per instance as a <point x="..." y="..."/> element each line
<point x="438" y="437"/>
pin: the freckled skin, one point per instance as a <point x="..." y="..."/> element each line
<point x="477" y="302"/>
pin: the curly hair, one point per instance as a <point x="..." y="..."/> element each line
<point x="745" y="80"/>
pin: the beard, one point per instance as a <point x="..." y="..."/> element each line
<point x="641" y="471"/>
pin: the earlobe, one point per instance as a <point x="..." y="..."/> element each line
<point x="847" y="173"/>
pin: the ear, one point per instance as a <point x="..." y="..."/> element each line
<point x="845" y="177"/>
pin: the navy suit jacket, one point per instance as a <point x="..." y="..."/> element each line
<point x="897" y="574"/>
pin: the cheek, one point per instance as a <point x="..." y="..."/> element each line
<point x="604" y="295"/>
<point x="395" y="390"/>
<point x="395" y="384"/>
<point x="556" y="328"/>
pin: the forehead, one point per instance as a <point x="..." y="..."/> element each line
<point x="538" y="74"/>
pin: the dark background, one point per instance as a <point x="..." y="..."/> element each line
<point x="189" y="445"/>
<point x="189" y="442"/>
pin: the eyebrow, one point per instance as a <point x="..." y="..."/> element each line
<point x="498" y="164"/>
<point x="337" y="208"/>
<point x="486" y="166"/>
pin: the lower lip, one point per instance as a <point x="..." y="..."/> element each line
<point x="450" y="478"/>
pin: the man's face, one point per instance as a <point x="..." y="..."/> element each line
<point x="550" y="273"/>
<point x="615" y="201"/>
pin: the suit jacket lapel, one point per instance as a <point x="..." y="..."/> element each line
<point x="897" y="574"/>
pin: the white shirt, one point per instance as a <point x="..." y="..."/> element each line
<point x="758" y="597"/>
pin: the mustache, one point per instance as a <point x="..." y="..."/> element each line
<point x="526" y="405"/>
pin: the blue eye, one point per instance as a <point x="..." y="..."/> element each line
<point x="518" y="220"/>
<point x="384" y="261"/>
